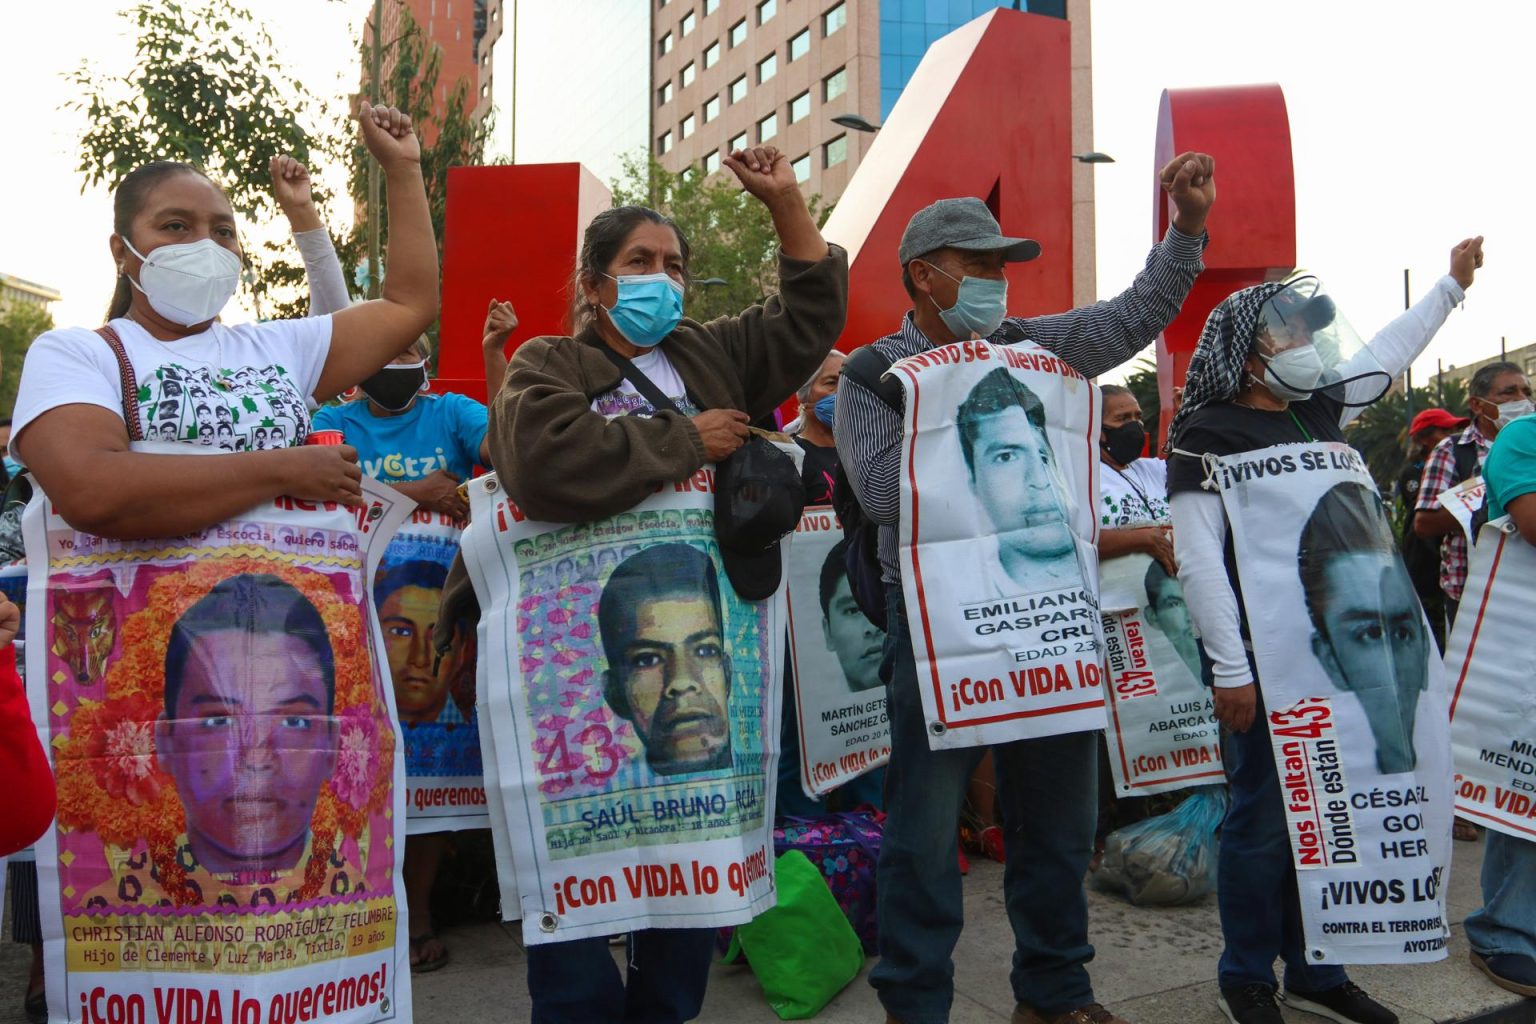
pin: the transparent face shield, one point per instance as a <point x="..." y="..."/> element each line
<point x="1308" y="348"/>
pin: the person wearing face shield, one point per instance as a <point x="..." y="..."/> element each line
<point x="1498" y="394"/>
<point x="953" y="256"/>
<point x="575" y="436"/>
<point x="1271" y="368"/>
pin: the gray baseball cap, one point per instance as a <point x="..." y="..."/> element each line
<point x="963" y="223"/>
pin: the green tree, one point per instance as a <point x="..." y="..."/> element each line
<point x="20" y="324"/>
<point x="1143" y="384"/>
<point x="204" y="89"/>
<point x="730" y="234"/>
<point x="1380" y="433"/>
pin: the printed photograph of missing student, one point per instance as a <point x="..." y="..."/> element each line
<point x="1167" y="613"/>
<point x="1368" y="628"/>
<point x="668" y="673"/>
<point x="1012" y="472"/>
<point x="435" y="698"/>
<point x="858" y="643"/>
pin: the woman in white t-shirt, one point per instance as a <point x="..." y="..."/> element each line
<point x="1133" y="490"/>
<point x="163" y="369"/>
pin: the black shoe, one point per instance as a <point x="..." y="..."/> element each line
<point x="1344" y="1003"/>
<point x="1509" y="971"/>
<point x="1250" y="1004"/>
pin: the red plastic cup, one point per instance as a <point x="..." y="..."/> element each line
<point x="326" y="437"/>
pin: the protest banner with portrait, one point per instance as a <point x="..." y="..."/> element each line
<point x="1355" y="700"/>
<point x="230" y="791"/>
<point x="1162" y="732"/>
<point x="634" y="702"/>
<point x="998" y="542"/>
<point x="435" y="697"/>
<point x="1463" y="502"/>
<point x="835" y="653"/>
<point x="1493" y="694"/>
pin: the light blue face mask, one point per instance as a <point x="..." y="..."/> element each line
<point x="824" y="406"/>
<point x="979" y="306"/>
<point x="649" y="306"/>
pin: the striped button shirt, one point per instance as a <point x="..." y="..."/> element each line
<point x="1091" y="339"/>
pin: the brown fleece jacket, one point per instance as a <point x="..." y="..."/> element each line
<point x="563" y="463"/>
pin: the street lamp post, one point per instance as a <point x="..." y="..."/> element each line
<point x="855" y="122"/>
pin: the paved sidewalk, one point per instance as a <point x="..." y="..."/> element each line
<point x="1153" y="967"/>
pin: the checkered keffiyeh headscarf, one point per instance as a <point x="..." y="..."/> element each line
<point x="1215" y="371"/>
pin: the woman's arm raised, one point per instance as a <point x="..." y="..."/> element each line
<point x="366" y="336"/>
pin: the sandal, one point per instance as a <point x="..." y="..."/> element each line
<point x="1464" y="831"/>
<point x="420" y="963"/>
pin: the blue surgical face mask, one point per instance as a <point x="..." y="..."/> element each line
<point x="649" y="307"/>
<point x="979" y="306"/>
<point x="824" y="406"/>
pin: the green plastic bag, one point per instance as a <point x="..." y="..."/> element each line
<point x="803" y="951"/>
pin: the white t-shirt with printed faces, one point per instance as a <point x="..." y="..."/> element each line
<point x="232" y="389"/>
<point x="1134" y="496"/>
<point x="624" y="400"/>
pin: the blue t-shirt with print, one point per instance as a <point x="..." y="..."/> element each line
<point x="436" y="432"/>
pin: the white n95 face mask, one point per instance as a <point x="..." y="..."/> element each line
<point x="187" y="282"/>
<point x="1295" y="373"/>
<point x="1511" y="411"/>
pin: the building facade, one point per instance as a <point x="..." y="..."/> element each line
<point x="731" y="73"/>
<point x="19" y="289"/>
<point x="465" y="31"/>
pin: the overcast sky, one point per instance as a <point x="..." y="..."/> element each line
<point x="1410" y="124"/>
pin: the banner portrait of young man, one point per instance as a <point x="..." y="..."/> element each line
<point x="634" y="715"/>
<point x="435" y="695"/>
<point x="997" y="542"/>
<point x="1357" y="702"/>
<point x="1162" y="731"/>
<point x="835" y="653"/>
<point x="228" y="767"/>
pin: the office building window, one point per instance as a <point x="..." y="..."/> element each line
<point x="835" y="152"/>
<point x="711" y="108"/>
<point x="834" y="19"/>
<point x="768" y="127"/>
<point x="664" y="144"/>
<point x="800" y="45"/>
<point x="664" y="94"/>
<point x="665" y="46"/>
<point x="711" y="162"/>
<point x="687" y="75"/>
<point x="685" y="129"/>
<point x="766" y="10"/>
<point x="711" y="55"/>
<point x="686" y="25"/>
<point x="802" y="169"/>
<point x="739" y="89"/>
<point x="738" y="143"/>
<point x="834" y="85"/>
<point x="710" y="7"/>
<point x="739" y="33"/>
<point x="799" y="107"/>
<point x="767" y="68"/>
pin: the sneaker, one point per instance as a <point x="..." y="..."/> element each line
<point x="1090" y="1013"/>
<point x="1345" y="1003"/>
<point x="1253" y="1003"/>
<point x="1509" y="971"/>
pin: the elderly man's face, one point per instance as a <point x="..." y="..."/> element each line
<point x="676" y="678"/>
<point x="1011" y="473"/>
<point x="1376" y="647"/>
<point x="250" y="745"/>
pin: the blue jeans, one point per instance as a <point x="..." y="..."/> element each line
<point x="577" y="982"/>
<point x="1506" y="922"/>
<point x="1255" y="876"/>
<point x="1046" y="796"/>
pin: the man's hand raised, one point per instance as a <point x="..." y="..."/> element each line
<point x="1190" y="181"/>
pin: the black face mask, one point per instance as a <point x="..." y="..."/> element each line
<point x="1124" y="443"/>
<point x="395" y="387"/>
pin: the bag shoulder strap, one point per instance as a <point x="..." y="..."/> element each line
<point x="866" y="367"/>
<point x="643" y="384"/>
<point x="129" y="380"/>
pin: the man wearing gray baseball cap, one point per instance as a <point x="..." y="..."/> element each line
<point x="952" y="258"/>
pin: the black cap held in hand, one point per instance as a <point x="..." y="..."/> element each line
<point x="758" y="500"/>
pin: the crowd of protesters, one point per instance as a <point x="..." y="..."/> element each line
<point x="637" y="395"/>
